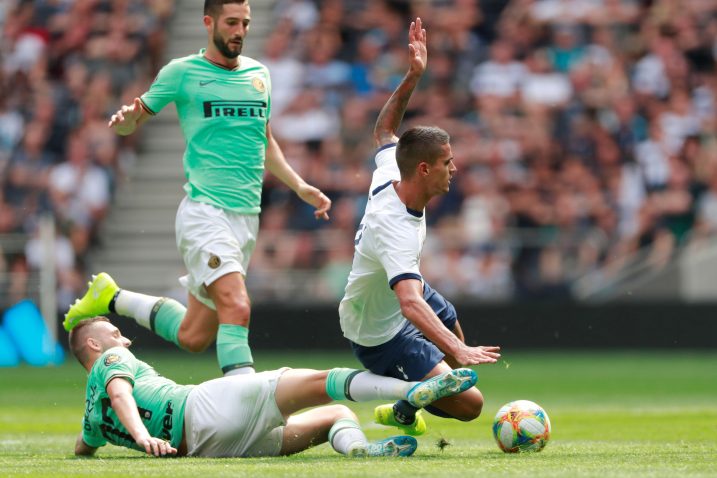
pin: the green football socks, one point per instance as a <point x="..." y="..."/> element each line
<point x="233" y="350"/>
<point x="166" y="317"/>
<point x="338" y="383"/>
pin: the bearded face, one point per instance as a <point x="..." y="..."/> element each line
<point x="229" y="48"/>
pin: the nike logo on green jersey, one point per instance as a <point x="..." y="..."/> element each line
<point x="206" y="82"/>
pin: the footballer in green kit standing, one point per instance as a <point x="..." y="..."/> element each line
<point x="224" y="104"/>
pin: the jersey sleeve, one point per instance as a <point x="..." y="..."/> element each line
<point x="164" y="88"/>
<point x="386" y="166"/>
<point x="386" y="155"/>
<point x="117" y="362"/>
<point x="268" y="94"/>
<point x="397" y="249"/>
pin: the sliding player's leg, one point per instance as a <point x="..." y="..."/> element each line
<point x="303" y="388"/>
<point x="339" y="426"/>
<point x="244" y="416"/>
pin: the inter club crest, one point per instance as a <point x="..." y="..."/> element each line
<point x="111" y="358"/>
<point x="258" y="84"/>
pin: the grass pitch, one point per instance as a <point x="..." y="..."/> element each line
<point x="614" y="413"/>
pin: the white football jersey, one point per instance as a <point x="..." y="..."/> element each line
<point x="387" y="249"/>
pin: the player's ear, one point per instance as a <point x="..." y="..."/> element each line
<point x="94" y="344"/>
<point x="424" y="168"/>
<point x="208" y="23"/>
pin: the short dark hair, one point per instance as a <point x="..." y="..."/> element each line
<point x="418" y="145"/>
<point x="214" y="7"/>
<point x="78" y="335"/>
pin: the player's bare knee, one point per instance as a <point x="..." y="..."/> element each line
<point x="470" y="413"/>
<point x="338" y="411"/>
<point x="465" y="407"/>
<point x="471" y="407"/>
<point x="233" y="308"/>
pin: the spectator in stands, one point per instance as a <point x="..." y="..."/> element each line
<point x="28" y="172"/>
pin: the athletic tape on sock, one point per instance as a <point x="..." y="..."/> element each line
<point x="338" y="382"/>
<point x="153" y="313"/>
<point x="111" y="305"/>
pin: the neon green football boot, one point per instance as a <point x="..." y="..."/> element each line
<point x="384" y="415"/>
<point x="96" y="301"/>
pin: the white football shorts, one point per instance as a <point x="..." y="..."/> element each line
<point x="213" y="242"/>
<point x="235" y="416"/>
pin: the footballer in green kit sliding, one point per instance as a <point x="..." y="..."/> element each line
<point x="224" y="104"/>
<point x="129" y="404"/>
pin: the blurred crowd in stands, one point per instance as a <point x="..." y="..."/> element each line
<point x="584" y="131"/>
<point x="65" y="65"/>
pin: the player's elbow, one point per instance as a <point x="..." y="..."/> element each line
<point x="82" y="449"/>
<point x="410" y="305"/>
<point x="410" y="298"/>
<point x="84" y="452"/>
<point x="383" y="136"/>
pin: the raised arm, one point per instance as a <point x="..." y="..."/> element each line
<point x="415" y="308"/>
<point x="389" y="119"/>
<point x="124" y="405"/>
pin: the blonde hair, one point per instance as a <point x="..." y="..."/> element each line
<point x="78" y="337"/>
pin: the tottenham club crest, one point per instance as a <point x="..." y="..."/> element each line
<point x="111" y="358"/>
<point x="258" y="84"/>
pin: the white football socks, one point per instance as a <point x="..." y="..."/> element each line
<point x="367" y="386"/>
<point x="135" y="306"/>
<point x="346" y="436"/>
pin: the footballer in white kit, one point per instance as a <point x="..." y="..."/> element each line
<point x="388" y="247"/>
<point x="397" y="324"/>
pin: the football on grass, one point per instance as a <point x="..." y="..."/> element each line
<point x="520" y="426"/>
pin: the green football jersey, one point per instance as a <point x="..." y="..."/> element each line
<point x="223" y="115"/>
<point x="160" y="401"/>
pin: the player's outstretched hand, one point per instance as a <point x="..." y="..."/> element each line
<point x="478" y="355"/>
<point x="316" y="198"/>
<point x="156" y="446"/>
<point x="124" y="121"/>
<point x="417" y="52"/>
